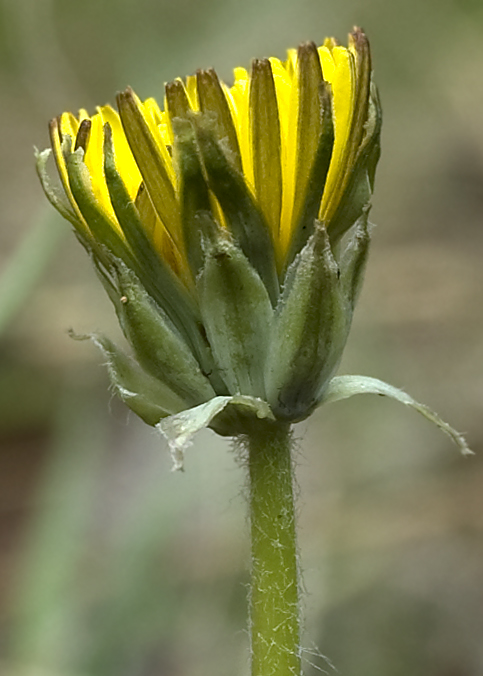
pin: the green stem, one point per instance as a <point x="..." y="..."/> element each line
<point x="274" y="597"/>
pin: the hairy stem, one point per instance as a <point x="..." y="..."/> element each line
<point x="274" y="597"/>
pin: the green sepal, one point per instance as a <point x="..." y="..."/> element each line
<point x="193" y="192"/>
<point x="147" y="212"/>
<point x="359" y="188"/>
<point x="318" y="169"/>
<point x="151" y="163"/>
<point x="81" y="227"/>
<point x="65" y="146"/>
<point x="310" y="120"/>
<point x="343" y="387"/>
<point x="371" y="147"/>
<point x="55" y="197"/>
<point x="105" y="276"/>
<point x="237" y="315"/>
<point x="309" y="332"/>
<point x="246" y="223"/>
<point x="213" y="100"/>
<point x="194" y="196"/>
<point x="158" y="346"/>
<point x="147" y="397"/>
<point x="177" y="102"/>
<point x="354" y="258"/>
<point x="359" y="46"/>
<point x="155" y="275"/>
<point x="102" y="228"/>
<point x="83" y="135"/>
<point x="179" y="429"/>
<point x="266" y="145"/>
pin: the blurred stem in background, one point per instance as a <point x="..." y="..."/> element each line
<point x="27" y="264"/>
<point x="47" y="600"/>
<point x="274" y="593"/>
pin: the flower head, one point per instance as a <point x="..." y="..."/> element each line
<point x="230" y="228"/>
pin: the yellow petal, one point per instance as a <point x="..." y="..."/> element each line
<point x="238" y="100"/>
<point x="153" y="159"/>
<point x="69" y="126"/>
<point x="125" y="162"/>
<point x="289" y="148"/>
<point x="342" y="81"/>
<point x="192" y="92"/>
<point x="66" y="127"/>
<point x="94" y="160"/>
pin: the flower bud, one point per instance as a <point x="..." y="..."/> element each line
<point x="229" y="230"/>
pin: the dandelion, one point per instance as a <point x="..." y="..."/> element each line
<point x="230" y="230"/>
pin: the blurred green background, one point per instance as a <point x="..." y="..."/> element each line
<point x="111" y="565"/>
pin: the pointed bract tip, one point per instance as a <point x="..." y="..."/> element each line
<point x="358" y="39"/>
<point x="83" y="134"/>
<point x="174" y="86"/>
<point x="54" y="127"/>
<point x="126" y="96"/>
<point x="260" y="66"/>
<point x="305" y="47"/>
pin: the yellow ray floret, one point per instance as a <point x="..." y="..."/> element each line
<point x="144" y="136"/>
